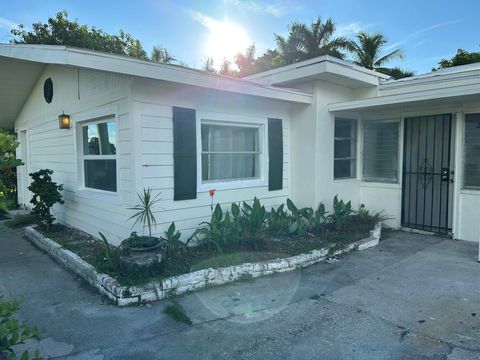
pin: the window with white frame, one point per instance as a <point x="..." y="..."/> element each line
<point x="230" y="152"/>
<point x="99" y="157"/>
<point x="380" y="151"/>
<point x="471" y="176"/>
<point x="345" y="149"/>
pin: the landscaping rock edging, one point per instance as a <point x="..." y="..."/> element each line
<point x="181" y="284"/>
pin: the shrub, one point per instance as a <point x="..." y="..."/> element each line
<point x="278" y="221"/>
<point x="8" y="174"/>
<point x="12" y="332"/>
<point x="253" y="220"/>
<point x="223" y="231"/>
<point x="46" y="193"/>
<point x="341" y="212"/>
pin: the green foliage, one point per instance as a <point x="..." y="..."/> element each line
<point x="21" y="220"/>
<point x="144" y="210"/>
<point x="110" y="254"/>
<point x="253" y="220"/>
<point x="60" y="30"/>
<point x="46" y="193"/>
<point x="13" y="332"/>
<point x="173" y="245"/>
<point x="341" y="212"/>
<point x="177" y="312"/>
<point x="8" y="175"/>
<point x="462" y="57"/>
<point x="278" y="221"/>
<point x="223" y="231"/>
<point x="298" y="219"/>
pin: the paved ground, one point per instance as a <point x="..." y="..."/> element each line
<point x="412" y="297"/>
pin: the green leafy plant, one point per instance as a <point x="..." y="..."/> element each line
<point x="341" y="212"/>
<point x="8" y="174"/>
<point x="46" y="193"/>
<point x="223" y="231"/>
<point x="21" y="220"/>
<point x="110" y="254"/>
<point x="278" y="221"/>
<point x="13" y="332"/>
<point x="173" y="245"/>
<point x="144" y="210"/>
<point x="253" y="220"/>
<point x="177" y="312"/>
<point x="317" y="219"/>
<point x="298" y="218"/>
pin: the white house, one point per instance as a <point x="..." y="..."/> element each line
<point x="305" y="131"/>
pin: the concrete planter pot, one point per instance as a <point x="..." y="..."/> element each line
<point x="141" y="255"/>
<point x="181" y="284"/>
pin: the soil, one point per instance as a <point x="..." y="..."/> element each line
<point x="92" y="250"/>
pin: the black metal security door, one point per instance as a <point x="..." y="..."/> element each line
<point x="427" y="173"/>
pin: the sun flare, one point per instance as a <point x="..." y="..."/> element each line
<point x="225" y="40"/>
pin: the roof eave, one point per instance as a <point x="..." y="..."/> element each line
<point x="62" y="55"/>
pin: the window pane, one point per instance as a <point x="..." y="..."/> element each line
<point x="345" y="148"/>
<point x="380" y="152"/>
<point x="472" y="150"/>
<point x="345" y="169"/>
<point x="101" y="174"/>
<point x="220" y="138"/>
<point x="230" y="152"/>
<point x="99" y="139"/>
<point x="230" y="166"/>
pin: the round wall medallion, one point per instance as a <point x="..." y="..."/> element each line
<point x="48" y="90"/>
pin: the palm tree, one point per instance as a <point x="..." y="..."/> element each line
<point x="306" y="42"/>
<point x="367" y="51"/>
<point x="160" y="54"/>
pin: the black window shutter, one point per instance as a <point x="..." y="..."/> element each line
<point x="184" y="154"/>
<point x="275" y="153"/>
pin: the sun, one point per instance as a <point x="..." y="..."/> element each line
<point x="226" y="39"/>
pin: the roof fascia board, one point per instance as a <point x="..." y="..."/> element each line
<point x="62" y="55"/>
<point x="436" y="94"/>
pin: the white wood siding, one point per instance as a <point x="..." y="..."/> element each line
<point x="153" y="113"/>
<point x="80" y="93"/>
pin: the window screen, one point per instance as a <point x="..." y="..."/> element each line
<point x="472" y="151"/>
<point x="380" y="151"/>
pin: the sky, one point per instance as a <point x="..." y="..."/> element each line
<point x="425" y="30"/>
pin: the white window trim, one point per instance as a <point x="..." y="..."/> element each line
<point x="399" y="152"/>
<point x="94" y="117"/>
<point x="466" y="189"/>
<point x="233" y="120"/>
<point x="356" y="141"/>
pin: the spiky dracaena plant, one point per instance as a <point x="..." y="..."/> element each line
<point x="144" y="210"/>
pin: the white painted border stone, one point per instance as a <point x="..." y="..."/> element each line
<point x="181" y="284"/>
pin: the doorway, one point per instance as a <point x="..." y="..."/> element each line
<point x="427" y="194"/>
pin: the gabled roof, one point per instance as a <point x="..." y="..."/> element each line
<point x="21" y="65"/>
<point x="326" y="68"/>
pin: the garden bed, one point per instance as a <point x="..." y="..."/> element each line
<point x="198" y="267"/>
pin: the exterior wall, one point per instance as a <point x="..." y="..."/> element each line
<point x="152" y="103"/>
<point x="84" y="95"/>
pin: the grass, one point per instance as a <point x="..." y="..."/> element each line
<point x="177" y="312"/>
<point x="20" y="220"/>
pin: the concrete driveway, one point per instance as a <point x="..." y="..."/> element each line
<point x="412" y="297"/>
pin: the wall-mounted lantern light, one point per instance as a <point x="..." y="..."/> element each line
<point x="64" y="121"/>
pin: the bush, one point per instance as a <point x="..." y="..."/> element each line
<point x="46" y="193"/>
<point x="8" y="173"/>
<point x="12" y="332"/>
<point x="341" y="212"/>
